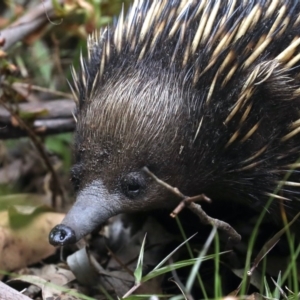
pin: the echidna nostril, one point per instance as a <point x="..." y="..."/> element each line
<point x="62" y="235"/>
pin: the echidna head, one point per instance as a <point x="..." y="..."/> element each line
<point x="131" y="122"/>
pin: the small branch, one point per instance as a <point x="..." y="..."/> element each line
<point x="27" y="24"/>
<point x="196" y="208"/>
<point x="205" y="219"/>
<point x="39" y="127"/>
<point x="41" y="150"/>
<point x="31" y="87"/>
<point x="187" y="201"/>
<point x="50" y="117"/>
<point x="8" y="293"/>
<point x="176" y="191"/>
<point x="52" y="109"/>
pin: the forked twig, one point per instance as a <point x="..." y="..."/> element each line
<point x="196" y="208"/>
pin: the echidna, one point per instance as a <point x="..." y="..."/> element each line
<point x="206" y="94"/>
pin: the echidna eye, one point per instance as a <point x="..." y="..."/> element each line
<point x="133" y="187"/>
<point x="132" y="184"/>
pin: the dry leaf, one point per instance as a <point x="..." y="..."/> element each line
<point x="23" y="245"/>
<point x="52" y="281"/>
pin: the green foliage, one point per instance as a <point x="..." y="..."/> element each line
<point x="139" y="268"/>
<point x="60" y="144"/>
<point x="161" y="270"/>
<point x="40" y="54"/>
<point x="6" y="189"/>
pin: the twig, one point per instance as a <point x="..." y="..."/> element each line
<point x="41" y="150"/>
<point x="196" y="208"/>
<point x="32" y="87"/>
<point x="205" y="219"/>
<point x="55" y="109"/>
<point x="8" y="293"/>
<point x="39" y="127"/>
<point x="177" y="192"/>
<point x="187" y="201"/>
<point x="27" y="24"/>
<point x="50" y="117"/>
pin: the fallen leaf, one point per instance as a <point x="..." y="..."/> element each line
<point x="52" y="281"/>
<point x="27" y="244"/>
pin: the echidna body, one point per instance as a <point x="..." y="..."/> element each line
<point x="206" y="94"/>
